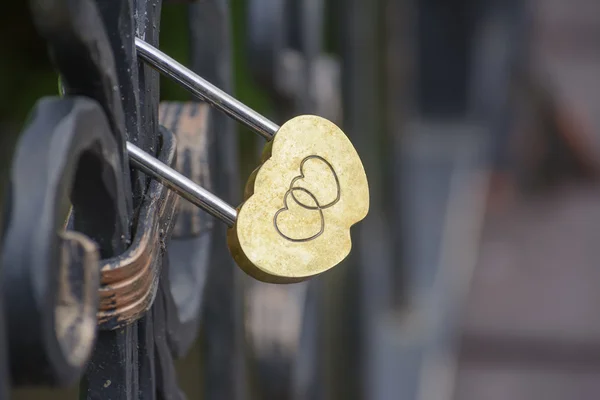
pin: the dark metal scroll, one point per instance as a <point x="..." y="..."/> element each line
<point x="105" y="67"/>
<point x="111" y="267"/>
<point x="52" y="278"/>
<point x="81" y="51"/>
<point x="102" y="66"/>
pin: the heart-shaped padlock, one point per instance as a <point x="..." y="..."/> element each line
<point x="299" y="204"/>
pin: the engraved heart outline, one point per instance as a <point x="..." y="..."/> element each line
<point x="302" y="176"/>
<point x="286" y="208"/>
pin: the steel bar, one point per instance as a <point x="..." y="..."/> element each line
<point x="205" y="90"/>
<point x="183" y="186"/>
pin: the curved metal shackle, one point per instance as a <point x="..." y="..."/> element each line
<point x="205" y="90"/>
<point x="182" y="185"/>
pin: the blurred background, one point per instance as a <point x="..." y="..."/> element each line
<point x="475" y="275"/>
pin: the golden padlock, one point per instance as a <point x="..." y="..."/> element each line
<point x="299" y="204"/>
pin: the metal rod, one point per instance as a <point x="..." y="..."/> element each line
<point x="183" y="186"/>
<point x="205" y="90"/>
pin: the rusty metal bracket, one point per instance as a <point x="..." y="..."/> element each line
<point x="129" y="281"/>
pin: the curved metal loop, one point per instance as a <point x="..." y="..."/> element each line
<point x="81" y="51"/>
<point x="66" y="155"/>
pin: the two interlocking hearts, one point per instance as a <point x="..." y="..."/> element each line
<point x="317" y="188"/>
<point x="299" y="206"/>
